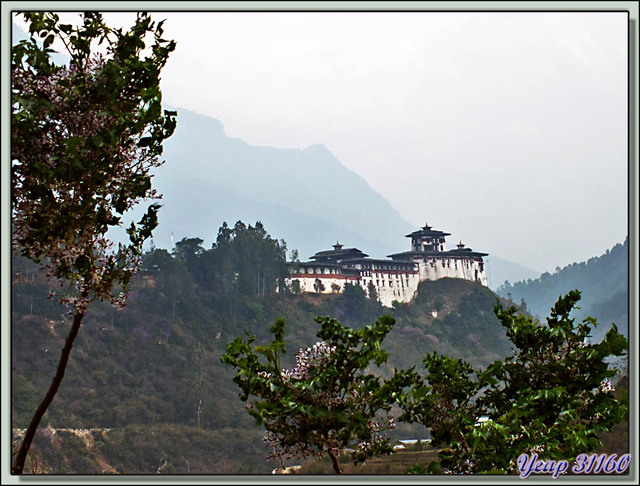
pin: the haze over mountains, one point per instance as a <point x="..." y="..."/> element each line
<point x="602" y="280"/>
<point x="306" y="197"/>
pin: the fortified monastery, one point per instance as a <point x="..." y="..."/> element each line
<point x="395" y="279"/>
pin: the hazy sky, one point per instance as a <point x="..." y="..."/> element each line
<point x="506" y="129"/>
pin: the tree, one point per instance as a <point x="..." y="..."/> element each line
<point x="172" y="279"/>
<point x="373" y="293"/>
<point x="225" y="275"/>
<point x="355" y="301"/>
<point x="295" y="286"/>
<point x="318" y="286"/>
<point x="258" y="261"/>
<point x="188" y="250"/>
<point x="551" y="397"/>
<point x="191" y="252"/>
<point x="326" y="402"/>
<point x="523" y="305"/>
<point x="84" y="138"/>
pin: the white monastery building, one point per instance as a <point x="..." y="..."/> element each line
<point x="394" y="279"/>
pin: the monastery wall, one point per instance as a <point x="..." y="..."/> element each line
<point x="390" y="286"/>
<point x="396" y="279"/>
<point x="307" y="282"/>
<point x="465" y="269"/>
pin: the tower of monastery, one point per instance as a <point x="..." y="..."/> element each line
<point x="396" y="278"/>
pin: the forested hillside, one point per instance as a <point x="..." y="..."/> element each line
<point x="146" y="381"/>
<point x="602" y="280"/>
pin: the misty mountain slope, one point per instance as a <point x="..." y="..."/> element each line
<point x="499" y="271"/>
<point x="308" y="191"/>
<point x="306" y="197"/>
<point x="602" y="280"/>
<point x="206" y="204"/>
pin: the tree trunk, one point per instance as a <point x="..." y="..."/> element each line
<point x="334" y="460"/>
<point x="199" y="411"/>
<point x="18" y="465"/>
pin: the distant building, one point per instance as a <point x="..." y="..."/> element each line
<point x="394" y="279"/>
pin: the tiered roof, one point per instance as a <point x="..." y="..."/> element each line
<point x="338" y="253"/>
<point x="349" y="256"/>
<point x="427" y="231"/>
<point x="461" y="251"/>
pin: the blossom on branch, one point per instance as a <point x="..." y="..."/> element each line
<point x="326" y="403"/>
<point x="84" y="139"/>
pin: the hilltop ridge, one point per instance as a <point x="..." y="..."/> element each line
<point x="306" y="195"/>
<point x="603" y="281"/>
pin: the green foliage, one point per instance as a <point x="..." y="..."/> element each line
<point x="188" y="250"/>
<point x="552" y="396"/>
<point x="84" y="138"/>
<point x="372" y="292"/>
<point x="416" y="469"/>
<point x="328" y="401"/>
<point x="244" y="260"/>
<point x="140" y="371"/>
<point x="466" y="326"/>
<point x="295" y="286"/>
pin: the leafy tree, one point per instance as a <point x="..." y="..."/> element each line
<point x="355" y="301"/>
<point x="295" y="286"/>
<point x="328" y="401"/>
<point x="171" y="275"/>
<point x="193" y="255"/>
<point x="84" y="138"/>
<point x="245" y="261"/>
<point x="157" y="262"/>
<point x="373" y="293"/>
<point x="225" y="274"/>
<point x="552" y="396"/>
<point x="249" y="260"/>
<point x="319" y="286"/>
<point x="188" y="250"/>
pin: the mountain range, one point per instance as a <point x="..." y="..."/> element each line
<point x="603" y="282"/>
<point x="310" y="199"/>
<point x="306" y="197"/>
